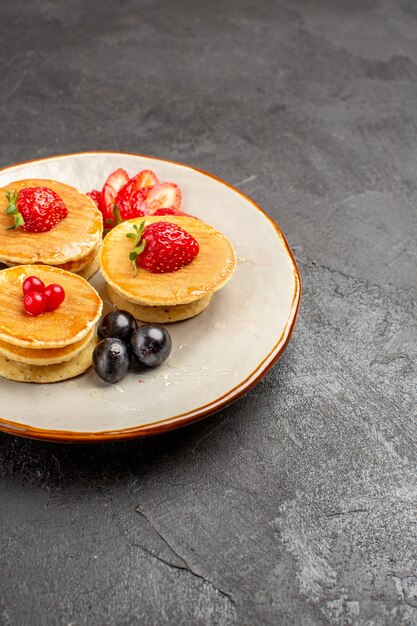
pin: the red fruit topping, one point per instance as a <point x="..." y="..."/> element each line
<point x="34" y="303"/>
<point x="118" y="179"/>
<point x="163" y="247"/>
<point x="141" y="184"/>
<point x="135" y="192"/>
<point x="96" y="197"/>
<point x="140" y="196"/>
<point x="169" y="211"/>
<point x="134" y="197"/>
<point x="35" y="209"/>
<point x="164" y="195"/>
<point x="33" y="284"/>
<point x="145" y="179"/>
<point x="114" y="183"/>
<point x="109" y="196"/>
<point x="135" y="185"/>
<point x="54" y="295"/>
<point x="130" y="202"/>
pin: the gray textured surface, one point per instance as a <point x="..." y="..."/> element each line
<point x="297" y="505"/>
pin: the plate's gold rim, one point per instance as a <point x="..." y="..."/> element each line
<point x="183" y="419"/>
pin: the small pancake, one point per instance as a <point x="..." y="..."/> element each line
<point x="80" y="264"/>
<point x="72" y="239"/>
<point x="48" y="356"/>
<point x="92" y="268"/>
<point x="159" y="314"/>
<point x="86" y="267"/>
<point x="208" y="272"/>
<point x="67" y="324"/>
<point x="25" y="373"/>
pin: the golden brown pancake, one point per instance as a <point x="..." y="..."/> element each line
<point x="85" y="267"/>
<point x="73" y="239"/>
<point x="208" y="272"/>
<point x="92" y="268"/>
<point x="46" y="356"/>
<point x="22" y="372"/>
<point x="159" y="314"/>
<point x="67" y="324"/>
<point x="80" y="264"/>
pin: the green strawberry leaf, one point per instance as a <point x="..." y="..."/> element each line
<point x="139" y="244"/>
<point x="12" y="209"/>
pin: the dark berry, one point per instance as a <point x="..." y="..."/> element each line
<point x="118" y="324"/>
<point x="151" y="345"/>
<point x="111" y="360"/>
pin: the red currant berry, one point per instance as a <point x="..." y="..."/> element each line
<point x="33" y="284"/>
<point x="54" y="295"/>
<point x="34" y="303"/>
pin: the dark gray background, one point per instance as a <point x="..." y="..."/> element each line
<point x="297" y="505"/>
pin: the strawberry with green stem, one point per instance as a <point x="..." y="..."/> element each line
<point x="35" y="209"/>
<point x="161" y="247"/>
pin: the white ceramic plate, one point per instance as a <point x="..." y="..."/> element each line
<point x="216" y="357"/>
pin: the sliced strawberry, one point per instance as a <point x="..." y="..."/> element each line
<point x="143" y="182"/>
<point x="118" y="179"/>
<point x="144" y="191"/>
<point x="114" y="183"/>
<point x="139" y="196"/>
<point x="109" y="195"/>
<point x="171" y="211"/>
<point x="168" y="211"/>
<point x="130" y="203"/>
<point x="132" y="213"/>
<point x="96" y="197"/>
<point x="164" y="195"/>
<point x="146" y="178"/>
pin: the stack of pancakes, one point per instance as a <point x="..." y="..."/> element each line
<point x="71" y="245"/>
<point x="56" y="345"/>
<point x="172" y="296"/>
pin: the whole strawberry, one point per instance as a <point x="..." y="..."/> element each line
<point x="162" y="247"/>
<point x="35" y="209"/>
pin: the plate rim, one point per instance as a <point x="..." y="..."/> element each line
<point x="184" y="419"/>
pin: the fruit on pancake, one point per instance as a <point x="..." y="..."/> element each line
<point x="114" y="183"/>
<point x="131" y="202"/>
<point x="171" y="211"/>
<point x="54" y="295"/>
<point x="145" y="180"/>
<point x="33" y="283"/>
<point x="168" y="211"/>
<point x="164" y="196"/>
<point x="117" y="324"/>
<point x="139" y="186"/>
<point x="34" y="303"/>
<point x="123" y="198"/>
<point x="96" y="197"/>
<point x="38" y="298"/>
<point x="35" y="209"/>
<point x="151" y="345"/>
<point x="162" y="247"/>
<point x="131" y="199"/>
<point x="111" y="359"/>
